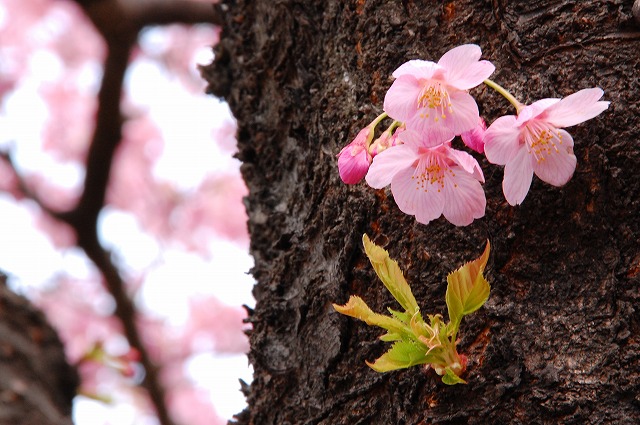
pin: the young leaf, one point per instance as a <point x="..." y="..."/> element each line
<point x="356" y="307"/>
<point x="467" y="289"/>
<point x="390" y="274"/>
<point x="401" y="355"/>
<point x="450" y="378"/>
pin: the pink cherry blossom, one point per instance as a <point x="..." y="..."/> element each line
<point x="428" y="180"/>
<point x="428" y="95"/>
<point x="474" y="138"/>
<point x="354" y="159"/>
<point x="534" y="142"/>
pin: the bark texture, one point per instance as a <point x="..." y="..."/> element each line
<point x="559" y="339"/>
<point x="36" y="383"/>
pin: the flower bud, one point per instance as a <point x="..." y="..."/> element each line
<point x="354" y="159"/>
<point x="474" y="138"/>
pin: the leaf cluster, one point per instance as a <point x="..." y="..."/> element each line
<point x="415" y="340"/>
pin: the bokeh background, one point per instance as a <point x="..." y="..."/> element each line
<point x="173" y="222"/>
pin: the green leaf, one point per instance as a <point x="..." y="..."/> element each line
<point x="356" y="307"/>
<point x="390" y="274"/>
<point x="391" y="337"/>
<point x="401" y="355"/>
<point x="467" y="289"/>
<point x="450" y="378"/>
<point x="402" y="316"/>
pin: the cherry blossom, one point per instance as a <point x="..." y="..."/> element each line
<point x="428" y="95"/>
<point x="474" y="138"/>
<point x="430" y="179"/>
<point x="354" y="159"/>
<point x="534" y="142"/>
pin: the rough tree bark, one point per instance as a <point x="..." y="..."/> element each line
<point x="559" y="339"/>
<point x="36" y="383"/>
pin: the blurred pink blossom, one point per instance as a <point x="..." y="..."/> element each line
<point x="191" y="405"/>
<point x="215" y="326"/>
<point x="70" y="124"/>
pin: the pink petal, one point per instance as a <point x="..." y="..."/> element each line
<point x="532" y="111"/>
<point x="352" y="165"/>
<point x="464" y="70"/>
<point x="474" y="138"/>
<point x="457" y="60"/>
<point x="429" y="132"/>
<point x="388" y="163"/>
<point x="405" y="191"/>
<point x="425" y="202"/>
<point x="464" y="198"/>
<point x="558" y="166"/>
<point x="517" y="177"/>
<point x="465" y="114"/>
<point x="401" y="100"/>
<point x="463" y="117"/>
<point x="502" y="140"/>
<point x="417" y="68"/>
<point x="468" y="163"/>
<point x="410" y="137"/>
<point x="473" y="77"/>
<point x="576" y="108"/>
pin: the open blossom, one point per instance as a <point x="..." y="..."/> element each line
<point x="430" y="179"/>
<point x="534" y="142"/>
<point x="354" y="159"/>
<point x="434" y="97"/>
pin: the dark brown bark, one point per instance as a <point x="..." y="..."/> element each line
<point x="558" y="341"/>
<point x="36" y="383"/>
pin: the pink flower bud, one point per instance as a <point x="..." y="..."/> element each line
<point x="474" y="138"/>
<point x="386" y="140"/>
<point x="395" y="140"/>
<point x="354" y="159"/>
<point x="127" y="370"/>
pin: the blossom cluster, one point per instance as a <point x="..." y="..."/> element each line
<point x="430" y="105"/>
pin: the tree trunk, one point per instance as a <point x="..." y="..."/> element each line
<point x="558" y="341"/>
<point x="36" y="383"/>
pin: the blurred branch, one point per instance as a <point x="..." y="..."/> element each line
<point x="119" y="22"/>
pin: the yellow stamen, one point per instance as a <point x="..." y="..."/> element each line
<point x="435" y="96"/>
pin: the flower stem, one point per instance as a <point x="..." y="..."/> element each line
<point x="497" y="87"/>
<point x="380" y="117"/>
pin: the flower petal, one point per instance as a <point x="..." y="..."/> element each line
<point x="532" y="111"/>
<point x="431" y="133"/>
<point x="417" y="68"/>
<point x="388" y="163"/>
<point x="425" y="202"/>
<point x="464" y="198"/>
<point x="576" y="108"/>
<point x="502" y="140"/>
<point x="401" y="100"/>
<point x="474" y="138"/>
<point x="558" y="166"/>
<point x="465" y="113"/>
<point x="518" y="174"/>
<point x="464" y="70"/>
<point x="353" y="165"/>
<point x="467" y="163"/>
